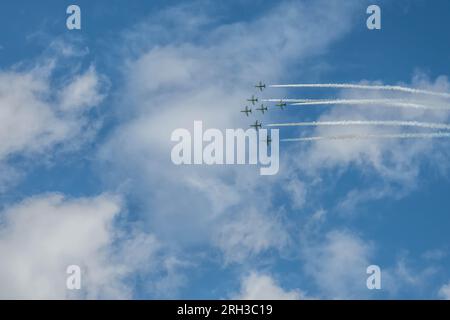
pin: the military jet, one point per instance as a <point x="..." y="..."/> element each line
<point x="253" y="100"/>
<point x="268" y="140"/>
<point x="260" y="86"/>
<point x="257" y="125"/>
<point x="262" y="109"/>
<point x="281" y="104"/>
<point x="247" y="111"/>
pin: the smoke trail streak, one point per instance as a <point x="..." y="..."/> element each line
<point x="288" y="100"/>
<point x="429" y="125"/>
<point x="384" y="102"/>
<point x="361" y="86"/>
<point x="372" y="136"/>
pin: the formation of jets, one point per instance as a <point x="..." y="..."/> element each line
<point x="254" y="100"/>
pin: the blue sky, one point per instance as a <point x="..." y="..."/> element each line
<point x="86" y="176"/>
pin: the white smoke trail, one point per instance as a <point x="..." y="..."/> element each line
<point x="361" y="86"/>
<point x="384" y="102"/>
<point x="372" y="136"/>
<point x="288" y="100"/>
<point x="429" y="125"/>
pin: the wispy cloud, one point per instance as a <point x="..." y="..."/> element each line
<point x="257" y="286"/>
<point x="201" y="75"/>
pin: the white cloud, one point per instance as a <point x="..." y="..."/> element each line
<point x="248" y="235"/>
<point x="83" y="91"/>
<point x="297" y="192"/>
<point x="258" y="286"/>
<point x="28" y="122"/>
<point x="182" y="77"/>
<point x="38" y="114"/>
<point x="393" y="166"/>
<point x="169" y="280"/>
<point x="434" y="254"/>
<point x="444" y="292"/>
<point x="42" y="235"/>
<point x="405" y="277"/>
<point x="338" y="265"/>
